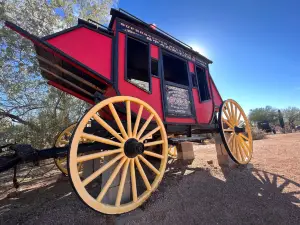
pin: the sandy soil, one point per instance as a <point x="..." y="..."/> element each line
<point x="267" y="191"/>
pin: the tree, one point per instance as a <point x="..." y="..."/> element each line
<point x="291" y="114"/>
<point x="280" y="117"/>
<point x="25" y="99"/>
<point x="264" y="114"/>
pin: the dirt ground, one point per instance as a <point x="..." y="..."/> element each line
<point x="267" y="191"/>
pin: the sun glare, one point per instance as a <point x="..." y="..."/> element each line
<point x="198" y="48"/>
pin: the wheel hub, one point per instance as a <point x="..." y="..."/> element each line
<point x="238" y="130"/>
<point x="132" y="148"/>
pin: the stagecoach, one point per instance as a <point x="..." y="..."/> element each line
<point x="147" y="91"/>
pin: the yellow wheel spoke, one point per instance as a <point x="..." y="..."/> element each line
<point x="137" y="121"/>
<point x="108" y="128"/>
<point x="101" y="170"/>
<point x="153" y="154"/>
<point x="239" y="118"/>
<point x="149" y="164"/>
<point x="232" y="113"/>
<point x="143" y="175"/>
<point x="228" y="110"/>
<point x="122" y="183"/>
<point x="226" y="114"/>
<point x="149" y="134"/>
<point x="117" y="119"/>
<point x="243" y="136"/>
<point x="111" y="179"/>
<point x="226" y="121"/>
<point x="128" y="113"/>
<point x="228" y="130"/>
<point x="238" y="153"/>
<point x="153" y="143"/>
<point x="133" y="180"/>
<point x="64" y="142"/>
<point x="230" y="138"/>
<point x="233" y="144"/>
<point x="144" y="126"/>
<point x="100" y="139"/>
<point x="98" y="155"/>
<point x="235" y="115"/>
<point x="244" y="146"/>
<point x="241" y="152"/>
<point x="62" y="160"/>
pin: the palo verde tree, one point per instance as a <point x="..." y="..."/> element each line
<point x="292" y="115"/>
<point x="31" y="111"/>
<point x="264" y="114"/>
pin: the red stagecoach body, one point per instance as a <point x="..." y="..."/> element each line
<point x="131" y="58"/>
<point x="88" y="59"/>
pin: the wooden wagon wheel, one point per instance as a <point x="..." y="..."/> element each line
<point x="130" y="158"/>
<point x="63" y="140"/>
<point x="235" y="132"/>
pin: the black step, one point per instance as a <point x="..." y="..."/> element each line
<point x="174" y="141"/>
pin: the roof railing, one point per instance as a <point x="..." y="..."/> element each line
<point x="156" y="28"/>
<point x="99" y="24"/>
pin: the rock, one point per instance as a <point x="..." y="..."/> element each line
<point x="249" y="166"/>
<point x="210" y="162"/>
<point x="14" y="194"/>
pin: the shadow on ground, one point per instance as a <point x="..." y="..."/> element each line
<point x="186" y="195"/>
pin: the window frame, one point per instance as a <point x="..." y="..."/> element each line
<point x="198" y="87"/>
<point x="149" y="64"/>
<point x="164" y="51"/>
<point x="187" y="87"/>
<point x="157" y="61"/>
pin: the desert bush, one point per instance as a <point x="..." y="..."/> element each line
<point x="257" y="134"/>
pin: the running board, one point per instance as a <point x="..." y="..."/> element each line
<point x="174" y="141"/>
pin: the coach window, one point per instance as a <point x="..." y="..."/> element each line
<point x="202" y="83"/>
<point x="175" y="69"/>
<point x="137" y="63"/>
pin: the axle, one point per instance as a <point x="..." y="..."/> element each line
<point x="26" y="153"/>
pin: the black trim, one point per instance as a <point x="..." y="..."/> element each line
<point x="39" y="41"/>
<point x="177" y="85"/>
<point x="149" y="61"/>
<point x="90" y="27"/>
<point x="162" y="83"/>
<point x="190" y="92"/>
<point x="132" y="19"/>
<point x="156" y="60"/>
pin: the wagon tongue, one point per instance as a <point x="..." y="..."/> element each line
<point x="62" y="71"/>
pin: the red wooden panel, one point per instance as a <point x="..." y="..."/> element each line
<point x="88" y="47"/>
<point x="126" y="88"/>
<point x="204" y="110"/>
<point x="179" y="120"/>
<point x="192" y="67"/>
<point x="217" y="97"/>
<point x="154" y="52"/>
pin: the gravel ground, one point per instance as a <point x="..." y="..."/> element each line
<point x="267" y="191"/>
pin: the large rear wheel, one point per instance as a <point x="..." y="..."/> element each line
<point x="235" y="131"/>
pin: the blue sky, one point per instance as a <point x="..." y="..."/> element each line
<point x="254" y="44"/>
